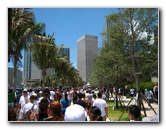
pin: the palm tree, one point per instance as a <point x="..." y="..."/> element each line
<point x="43" y="54"/>
<point x="61" y="66"/>
<point x="21" y="28"/>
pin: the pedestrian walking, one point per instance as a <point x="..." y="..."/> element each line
<point x="102" y="104"/>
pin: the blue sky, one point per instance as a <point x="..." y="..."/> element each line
<point x="69" y="24"/>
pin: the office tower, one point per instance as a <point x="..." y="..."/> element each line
<point x="87" y="51"/>
<point x="65" y="51"/>
<point x="107" y="24"/>
<point x="18" y="77"/>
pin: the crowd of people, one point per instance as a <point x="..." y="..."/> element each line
<point x="70" y="104"/>
<point x="54" y="104"/>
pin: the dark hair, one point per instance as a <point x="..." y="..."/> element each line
<point x="96" y="113"/>
<point x="94" y="96"/>
<point x="66" y="97"/>
<point x="43" y="109"/>
<point x="134" y="110"/>
<point x="79" y="95"/>
<point x="83" y="95"/>
<point x="58" y="96"/>
<point x="99" y="94"/>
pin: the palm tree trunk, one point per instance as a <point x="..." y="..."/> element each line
<point x="14" y="75"/>
<point x="43" y="77"/>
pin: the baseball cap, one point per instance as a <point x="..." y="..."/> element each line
<point x="34" y="94"/>
<point x="75" y="113"/>
<point x="25" y="90"/>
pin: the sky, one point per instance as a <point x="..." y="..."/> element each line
<point x="69" y="24"/>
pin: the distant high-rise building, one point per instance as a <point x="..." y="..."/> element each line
<point x="65" y="51"/>
<point x="32" y="73"/>
<point x="107" y="24"/>
<point x="87" y="51"/>
<point x="18" y="77"/>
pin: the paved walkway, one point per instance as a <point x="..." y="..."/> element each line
<point x="149" y="112"/>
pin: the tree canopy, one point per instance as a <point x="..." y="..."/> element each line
<point x="130" y="51"/>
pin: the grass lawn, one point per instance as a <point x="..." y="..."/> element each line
<point x="115" y="114"/>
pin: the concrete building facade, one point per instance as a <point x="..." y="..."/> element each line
<point x="87" y="51"/>
<point x="32" y="73"/>
<point x="18" y="77"/>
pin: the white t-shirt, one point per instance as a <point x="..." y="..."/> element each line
<point x="132" y="91"/>
<point x="149" y="94"/>
<point x="23" y="100"/>
<point x="100" y="103"/>
<point x="28" y="107"/>
<point x="89" y="96"/>
<point x="52" y="93"/>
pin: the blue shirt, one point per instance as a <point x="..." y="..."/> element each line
<point x="65" y="104"/>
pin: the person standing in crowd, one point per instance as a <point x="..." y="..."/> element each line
<point x="24" y="99"/>
<point x="57" y="96"/>
<point x="65" y="102"/>
<point x="93" y="98"/>
<point x="40" y="96"/>
<point x="75" y="96"/>
<point x="11" y="97"/>
<point x="84" y="98"/>
<point x="95" y="114"/>
<point x="54" y="111"/>
<point x="18" y="96"/>
<point x="75" y="112"/>
<point x="28" y="106"/>
<point x="132" y="92"/>
<point x="31" y="91"/>
<point x="149" y="96"/>
<point x="46" y="96"/>
<point x="89" y="96"/>
<point x="81" y="102"/>
<point x="134" y="113"/>
<point x="102" y="104"/>
<point x="155" y="91"/>
<point x="52" y="95"/>
<point x="43" y="104"/>
<point x="103" y="95"/>
<point x="96" y="92"/>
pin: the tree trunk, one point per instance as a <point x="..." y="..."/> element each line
<point x="14" y="75"/>
<point x="116" y="96"/>
<point x="43" y="77"/>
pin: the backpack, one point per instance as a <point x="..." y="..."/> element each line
<point x="27" y="115"/>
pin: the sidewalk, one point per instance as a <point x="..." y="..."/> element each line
<point x="149" y="112"/>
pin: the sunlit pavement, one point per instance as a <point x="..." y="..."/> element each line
<point x="148" y="111"/>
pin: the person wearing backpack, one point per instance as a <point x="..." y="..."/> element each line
<point x="30" y="106"/>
